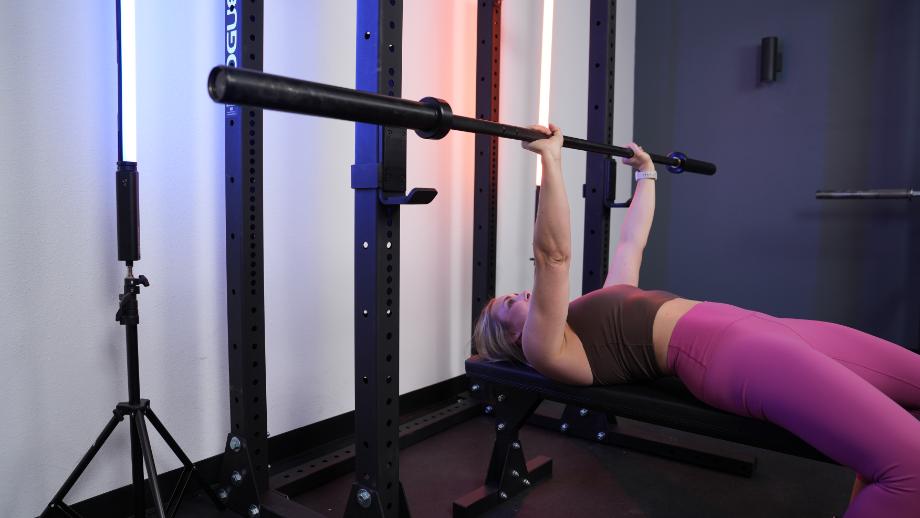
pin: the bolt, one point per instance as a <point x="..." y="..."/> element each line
<point x="501" y="426"/>
<point x="475" y="388"/>
<point x="516" y="445"/>
<point x="503" y="495"/>
<point x="235" y="443"/>
<point x="515" y="474"/>
<point x="364" y="498"/>
<point x="501" y="397"/>
<point x="388" y="312"/>
<point x="564" y="427"/>
<point x="364" y="312"/>
<point x="601" y="435"/>
<point x="389" y="244"/>
<point x="365" y="244"/>
<point x="222" y="494"/>
<point x="525" y="482"/>
<point x="236" y="478"/>
<point x="488" y="409"/>
<point x="253" y="511"/>
<point x="583" y="412"/>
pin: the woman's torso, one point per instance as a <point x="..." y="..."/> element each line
<point x="576" y="368"/>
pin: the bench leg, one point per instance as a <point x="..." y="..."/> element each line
<point x="508" y="473"/>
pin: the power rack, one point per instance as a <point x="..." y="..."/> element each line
<point x="247" y="484"/>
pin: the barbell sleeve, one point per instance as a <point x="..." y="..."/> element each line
<point x="430" y="118"/>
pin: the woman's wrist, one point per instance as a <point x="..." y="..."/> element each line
<point x="549" y="159"/>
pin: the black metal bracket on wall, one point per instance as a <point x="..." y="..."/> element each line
<point x="485" y="189"/>
<point x="600" y="172"/>
<point x="244" y="466"/>
<point x="379" y="174"/>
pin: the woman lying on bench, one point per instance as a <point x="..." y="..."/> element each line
<point x="845" y="392"/>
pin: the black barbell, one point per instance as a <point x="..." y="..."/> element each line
<point x="431" y="118"/>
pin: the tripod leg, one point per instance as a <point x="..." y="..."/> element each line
<point x="155" y="421"/>
<point x="137" y="472"/>
<point x="84" y="462"/>
<point x="148" y="460"/>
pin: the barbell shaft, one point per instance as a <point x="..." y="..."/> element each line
<point x="230" y="85"/>
<point x="878" y="194"/>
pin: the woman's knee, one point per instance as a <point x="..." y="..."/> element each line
<point x="904" y="474"/>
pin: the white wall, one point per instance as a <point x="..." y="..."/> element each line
<point x="522" y="22"/>
<point x="65" y="359"/>
<point x="308" y="221"/>
<point x="59" y="277"/>
<point x="518" y="104"/>
<point x="569" y="111"/>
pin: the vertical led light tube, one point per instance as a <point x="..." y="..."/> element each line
<point x="127" y="81"/>
<point x="126" y="177"/>
<point x="546" y="64"/>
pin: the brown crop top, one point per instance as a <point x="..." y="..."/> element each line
<point x="615" y="327"/>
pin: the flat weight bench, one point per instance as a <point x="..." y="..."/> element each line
<point x="512" y="392"/>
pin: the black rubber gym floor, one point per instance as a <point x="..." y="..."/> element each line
<point x="591" y="479"/>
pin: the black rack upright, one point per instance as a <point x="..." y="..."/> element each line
<point x="244" y="470"/>
<point x="600" y="171"/>
<point x="485" y="189"/>
<point x="378" y="176"/>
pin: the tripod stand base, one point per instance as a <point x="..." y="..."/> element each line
<point x="141" y="455"/>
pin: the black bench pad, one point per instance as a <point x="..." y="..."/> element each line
<point x="664" y="402"/>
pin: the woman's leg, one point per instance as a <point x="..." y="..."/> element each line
<point x="752" y="365"/>
<point x="889" y="367"/>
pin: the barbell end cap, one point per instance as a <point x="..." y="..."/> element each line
<point x="217" y="83"/>
<point x="445" y="119"/>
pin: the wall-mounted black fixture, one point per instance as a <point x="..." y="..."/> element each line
<point x="771" y="61"/>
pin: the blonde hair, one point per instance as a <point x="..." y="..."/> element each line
<point x="492" y="341"/>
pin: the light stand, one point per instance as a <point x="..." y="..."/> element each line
<point x="128" y="230"/>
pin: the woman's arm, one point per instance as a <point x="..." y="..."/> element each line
<point x="544" y="328"/>
<point x="627" y="258"/>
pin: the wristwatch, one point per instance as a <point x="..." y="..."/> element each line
<point x="640" y="175"/>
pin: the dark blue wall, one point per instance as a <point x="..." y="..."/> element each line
<point x="845" y="114"/>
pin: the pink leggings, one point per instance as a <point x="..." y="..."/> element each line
<point x="848" y="394"/>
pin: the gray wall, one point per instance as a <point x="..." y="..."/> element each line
<point x="843" y="115"/>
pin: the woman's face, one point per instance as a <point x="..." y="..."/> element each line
<point x="511" y="311"/>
